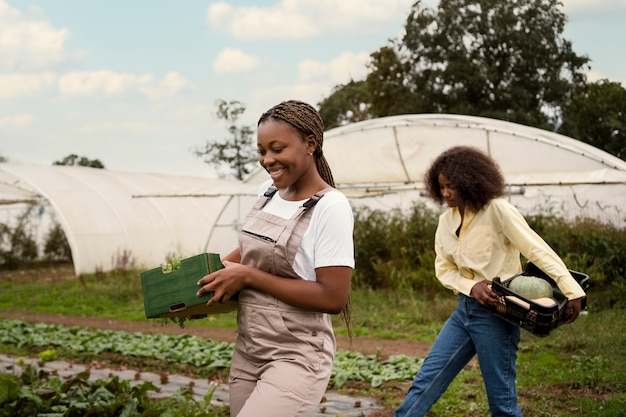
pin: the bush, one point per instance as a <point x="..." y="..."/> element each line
<point x="17" y="244"/>
<point x="391" y="246"/>
<point x="19" y="247"/>
<point x="56" y="246"/>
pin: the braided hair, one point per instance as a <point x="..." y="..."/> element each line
<point x="308" y="121"/>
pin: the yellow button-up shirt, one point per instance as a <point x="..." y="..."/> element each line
<point x="489" y="245"/>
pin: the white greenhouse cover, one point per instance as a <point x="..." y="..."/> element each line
<point x="399" y="149"/>
<point x="122" y="219"/>
<point x="109" y="215"/>
<point x="381" y="163"/>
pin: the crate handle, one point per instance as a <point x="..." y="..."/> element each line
<point x="177" y="307"/>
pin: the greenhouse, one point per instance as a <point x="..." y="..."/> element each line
<point x="121" y="219"/>
<point x="112" y="219"/>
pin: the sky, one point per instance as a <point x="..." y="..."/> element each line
<point x="135" y="84"/>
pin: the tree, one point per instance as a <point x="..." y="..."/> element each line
<point x="236" y="153"/>
<point x="348" y="103"/>
<point x="597" y="115"/>
<point x="83" y="161"/>
<point x="501" y="59"/>
<point x="390" y="92"/>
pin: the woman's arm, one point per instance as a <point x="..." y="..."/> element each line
<point x="446" y="270"/>
<point x="233" y="256"/>
<point x="535" y="249"/>
<point x="328" y="294"/>
<point x="328" y="291"/>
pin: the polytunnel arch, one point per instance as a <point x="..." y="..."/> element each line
<point x="379" y="163"/>
<point x="398" y="149"/>
<point x="112" y="218"/>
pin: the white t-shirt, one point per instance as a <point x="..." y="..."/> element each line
<point x="328" y="239"/>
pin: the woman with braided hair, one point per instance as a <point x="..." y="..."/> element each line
<point x="293" y="268"/>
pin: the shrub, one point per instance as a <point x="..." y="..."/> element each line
<point x="56" y="246"/>
<point x="17" y="243"/>
<point x="390" y="246"/>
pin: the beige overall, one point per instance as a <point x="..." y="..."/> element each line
<point x="283" y="355"/>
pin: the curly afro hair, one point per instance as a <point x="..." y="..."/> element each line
<point x="475" y="176"/>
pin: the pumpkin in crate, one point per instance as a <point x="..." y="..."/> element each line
<point x="531" y="287"/>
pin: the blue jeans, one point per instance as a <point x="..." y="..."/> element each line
<point x="470" y="330"/>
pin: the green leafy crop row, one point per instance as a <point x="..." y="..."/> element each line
<point x="191" y="350"/>
<point x="37" y="394"/>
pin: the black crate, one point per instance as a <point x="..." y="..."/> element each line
<point x="526" y="313"/>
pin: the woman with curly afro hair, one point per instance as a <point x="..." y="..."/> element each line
<point x="480" y="236"/>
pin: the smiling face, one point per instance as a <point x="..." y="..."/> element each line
<point x="285" y="154"/>
<point x="446" y="188"/>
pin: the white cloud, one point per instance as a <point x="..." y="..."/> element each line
<point x="172" y="84"/>
<point x="311" y="70"/>
<point x="233" y="60"/>
<point x="19" y="120"/>
<point x="340" y="70"/>
<point x="357" y="15"/>
<point x="99" y="83"/>
<point x="594" y="76"/>
<point x="94" y="84"/>
<point x="16" y="85"/>
<point x="311" y="93"/>
<point x="219" y="14"/>
<point x="104" y="83"/>
<point x="316" y="79"/>
<point x="127" y="127"/>
<point x="304" y="19"/>
<point x="251" y="22"/>
<point x="27" y="44"/>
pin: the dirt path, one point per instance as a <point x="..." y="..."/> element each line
<point x="365" y="345"/>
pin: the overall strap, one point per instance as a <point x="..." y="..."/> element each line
<point x="267" y="196"/>
<point x="269" y="193"/>
<point x="311" y="202"/>
<point x="316" y="197"/>
<point x="300" y="222"/>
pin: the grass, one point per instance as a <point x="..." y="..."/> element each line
<point x="115" y="295"/>
<point x="388" y="316"/>
<point x="579" y="370"/>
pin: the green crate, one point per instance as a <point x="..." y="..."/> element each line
<point x="173" y="294"/>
